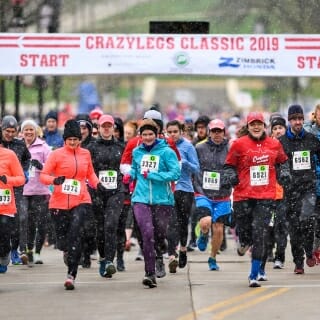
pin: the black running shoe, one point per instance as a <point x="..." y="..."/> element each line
<point x="182" y="259"/>
<point x="149" y="281"/>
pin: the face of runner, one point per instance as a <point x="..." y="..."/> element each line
<point x="278" y="131"/>
<point x="106" y="130"/>
<point x="148" y="137"/>
<point x="296" y="124"/>
<point x="256" y="128"/>
<point x="9" y="134"/>
<point x="72" y="142"/>
<point x="202" y="130"/>
<point x="84" y="131"/>
<point x="174" y="133"/>
<point x="217" y="135"/>
<point x="29" y="134"/>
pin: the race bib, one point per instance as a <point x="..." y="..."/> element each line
<point x="108" y="178"/>
<point x="301" y="160"/>
<point x="211" y="180"/>
<point x="71" y="186"/>
<point x="32" y="172"/>
<point x="149" y="163"/>
<point x="259" y="175"/>
<point x="5" y="196"/>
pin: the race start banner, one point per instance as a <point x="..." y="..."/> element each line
<point x="225" y="55"/>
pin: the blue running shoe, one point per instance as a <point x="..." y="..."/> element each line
<point x="202" y="241"/>
<point x="102" y="268"/>
<point x="15" y="258"/>
<point x="213" y="264"/>
<point x="3" y="269"/>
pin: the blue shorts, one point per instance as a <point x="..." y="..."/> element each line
<point x="218" y="209"/>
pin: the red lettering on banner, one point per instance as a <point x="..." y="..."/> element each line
<point x="129" y="42"/>
<point x="43" y="60"/>
<point x="207" y="43"/>
<point x="308" y="62"/>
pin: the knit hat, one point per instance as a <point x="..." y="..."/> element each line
<point x="29" y="122"/>
<point x="9" y="122"/>
<point x="155" y="116"/>
<point x="71" y="130"/>
<point x="84" y="120"/>
<point x="203" y="120"/>
<point x="148" y="124"/>
<point x="51" y="115"/>
<point x="295" y="110"/>
<point x="277" y="121"/>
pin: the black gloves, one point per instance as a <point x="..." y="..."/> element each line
<point x="3" y="179"/>
<point x="284" y="175"/>
<point x="36" y="163"/>
<point x="59" y="180"/>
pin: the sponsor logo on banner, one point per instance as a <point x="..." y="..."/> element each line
<point x="247" y="63"/>
<point x="181" y="59"/>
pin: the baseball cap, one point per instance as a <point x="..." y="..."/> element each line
<point x="255" y="116"/>
<point x="216" y="124"/>
<point x="106" y="118"/>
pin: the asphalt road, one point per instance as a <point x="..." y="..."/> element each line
<point x="36" y="292"/>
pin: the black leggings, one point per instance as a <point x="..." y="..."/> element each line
<point x="69" y="227"/>
<point x="36" y="208"/>
<point x="178" y="225"/>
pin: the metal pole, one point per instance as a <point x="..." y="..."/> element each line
<point x="17" y="98"/>
<point x="3" y="27"/>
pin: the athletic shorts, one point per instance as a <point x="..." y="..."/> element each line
<point x="219" y="209"/>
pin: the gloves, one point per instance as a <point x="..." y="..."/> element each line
<point x="36" y="163"/>
<point x="101" y="188"/>
<point x="145" y="174"/>
<point x="131" y="186"/>
<point x="59" y="180"/>
<point x="3" y="179"/>
<point x="126" y="179"/>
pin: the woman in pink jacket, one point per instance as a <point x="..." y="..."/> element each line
<point x="68" y="168"/>
<point x="35" y="194"/>
<point x="11" y="175"/>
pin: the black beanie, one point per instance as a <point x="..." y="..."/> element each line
<point x="118" y="125"/>
<point x="72" y="130"/>
<point x="278" y="121"/>
<point x="295" y="110"/>
<point x="84" y="119"/>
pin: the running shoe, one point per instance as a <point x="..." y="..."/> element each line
<point x="242" y="249"/>
<point x="110" y="269"/>
<point x="102" y="268"/>
<point x="202" y="241"/>
<point x="69" y="283"/>
<point x="311" y="261"/>
<point x="316" y="255"/>
<point x="160" y="268"/>
<point x="298" y="270"/>
<point x="262" y="276"/>
<point x="24" y="258"/>
<point x="149" y="281"/>
<point x="120" y="265"/>
<point x="3" y="269"/>
<point x="253" y="283"/>
<point x="278" y="265"/>
<point x="139" y="256"/>
<point x="213" y="264"/>
<point x="37" y="259"/>
<point x="15" y="258"/>
<point x="30" y="256"/>
<point x="173" y="264"/>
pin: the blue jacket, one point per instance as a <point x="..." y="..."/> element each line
<point x="155" y="189"/>
<point x="189" y="164"/>
<point x="53" y="139"/>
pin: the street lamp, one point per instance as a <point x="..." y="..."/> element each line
<point x="17" y="25"/>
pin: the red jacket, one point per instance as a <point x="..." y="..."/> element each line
<point x="73" y="164"/>
<point x="11" y="168"/>
<point x="247" y="156"/>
